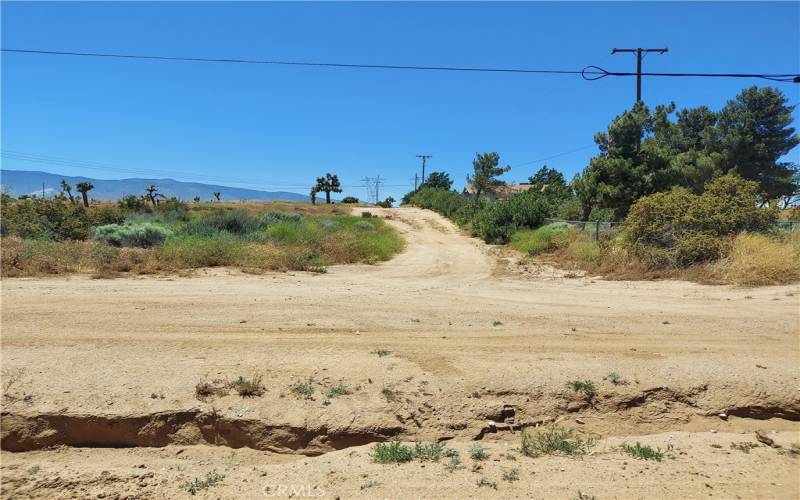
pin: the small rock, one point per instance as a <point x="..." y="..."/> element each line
<point x="763" y="438"/>
<point x="578" y="420"/>
<point x="723" y="416"/>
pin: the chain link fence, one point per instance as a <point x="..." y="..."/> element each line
<point x="608" y="228"/>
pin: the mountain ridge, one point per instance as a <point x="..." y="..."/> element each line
<point x="21" y="182"/>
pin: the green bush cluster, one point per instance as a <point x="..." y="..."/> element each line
<point x="53" y="218"/>
<point x="141" y="234"/>
<point x="492" y="221"/>
<point x="678" y="228"/>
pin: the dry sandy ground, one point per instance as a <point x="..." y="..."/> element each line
<point x="104" y="403"/>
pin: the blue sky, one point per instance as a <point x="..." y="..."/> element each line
<point x="279" y="127"/>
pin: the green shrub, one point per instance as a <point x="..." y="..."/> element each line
<point x="349" y="199"/>
<point x="502" y="218"/>
<point x="539" y="240"/>
<point x="199" y="251"/>
<point x="231" y="221"/>
<point x="392" y="452"/>
<point x="131" y="235"/>
<point x="554" y="440"/>
<point x="53" y="218"/>
<point x="679" y="228"/>
<point x="642" y="452"/>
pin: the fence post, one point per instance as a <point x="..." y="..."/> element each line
<point x="597" y="231"/>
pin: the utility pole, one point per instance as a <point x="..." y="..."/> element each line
<point x="416" y="180"/>
<point x="43" y="190"/>
<point x="424" y="158"/>
<point x="639" y="53"/>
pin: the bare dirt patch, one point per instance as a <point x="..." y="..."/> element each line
<point x="468" y="352"/>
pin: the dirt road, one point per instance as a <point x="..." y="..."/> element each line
<point x="446" y="341"/>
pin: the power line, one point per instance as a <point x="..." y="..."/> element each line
<point x="588" y="73"/>
<point x="556" y="155"/>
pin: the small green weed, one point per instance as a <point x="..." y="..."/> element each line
<point x="497" y="323"/>
<point x="33" y="470"/>
<point x="428" y="451"/>
<point x="743" y="446"/>
<point x="302" y="389"/>
<point x="585" y="386"/>
<point x="511" y="475"/>
<point x="584" y="496"/>
<point x="555" y="440"/>
<point x="615" y="379"/>
<point x="393" y="452"/>
<point x="337" y="390"/>
<point x="248" y="387"/>
<point x="485" y="482"/>
<point x="643" y="452"/>
<point x="381" y="352"/>
<point x="476" y="452"/>
<point x="197" y="484"/>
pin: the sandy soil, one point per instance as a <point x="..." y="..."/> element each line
<point x="477" y="348"/>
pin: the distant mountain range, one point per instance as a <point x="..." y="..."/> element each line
<point x="19" y="182"/>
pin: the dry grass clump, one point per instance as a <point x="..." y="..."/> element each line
<point x="758" y="259"/>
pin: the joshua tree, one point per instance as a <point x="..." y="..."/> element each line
<point x="83" y="188"/>
<point x="313" y="195"/>
<point x="151" y="191"/>
<point x="216" y="194"/>
<point x="329" y="183"/>
<point x="66" y="188"/>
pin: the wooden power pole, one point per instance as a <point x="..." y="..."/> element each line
<point x="640" y="52"/>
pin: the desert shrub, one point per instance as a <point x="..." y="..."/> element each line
<point x="552" y="439"/>
<point x="582" y="249"/>
<point x="349" y="199"/>
<point x="642" y="452"/>
<point x="187" y="251"/>
<point x="133" y="203"/>
<point x="364" y="225"/>
<point x="230" y="221"/>
<point x="539" y="240"/>
<point x="248" y="387"/>
<point x="392" y="452"/>
<point x="759" y="259"/>
<point x="54" y="218"/>
<point x="679" y="228"/>
<point x="442" y="201"/>
<point x="142" y="235"/>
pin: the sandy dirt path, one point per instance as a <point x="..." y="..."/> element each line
<point x="475" y="348"/>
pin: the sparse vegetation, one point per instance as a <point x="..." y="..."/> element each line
<point x="615" y="378"/>
<point x="476" y="452"/>
<point x="511" y="475"/>
<point x="302" y="388"/>
<point x="584" y="496"/>
<point x="392" y="452"/>
<point x="381" y="352"/>
<point x="206" y="389"/>
<point x="643" y="452"/>
<point x="50" y="237"/>
<point x="552" y="439"/>
<point x="585" y="386"/>
<point x="197" y="484"/>
<point x="485" y="482"/>
<point x="428" y="451"/>
<point x="33" y="470"/>
<point x="337" y="390"/>
<point x="251" y="387"/>
<point x="744" y="446"/>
